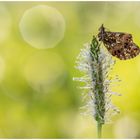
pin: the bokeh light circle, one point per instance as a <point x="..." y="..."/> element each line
<point x="42" y="26"/>
<point x="44" y="71"/>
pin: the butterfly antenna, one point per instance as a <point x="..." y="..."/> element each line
<point x="102" y="26"/>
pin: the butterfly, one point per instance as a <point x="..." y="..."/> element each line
<point x="119" y="44"/>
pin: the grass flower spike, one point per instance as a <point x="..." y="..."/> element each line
<point x="95" y="63"/>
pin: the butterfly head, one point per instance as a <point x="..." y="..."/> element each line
<point x="102" y="29"/>
<point x="101" y="33"/>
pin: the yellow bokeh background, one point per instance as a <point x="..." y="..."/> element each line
<point x="38" y="98"/>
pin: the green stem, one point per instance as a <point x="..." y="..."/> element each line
<point x="99" y="129"/>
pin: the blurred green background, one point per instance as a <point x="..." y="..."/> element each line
<point x="38" y="98"/>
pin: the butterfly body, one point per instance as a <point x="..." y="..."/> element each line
<point x="119" y="44"/>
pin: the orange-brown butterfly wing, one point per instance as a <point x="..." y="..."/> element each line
<point x="119" y="44"/>
<point x="124" y="52"/>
